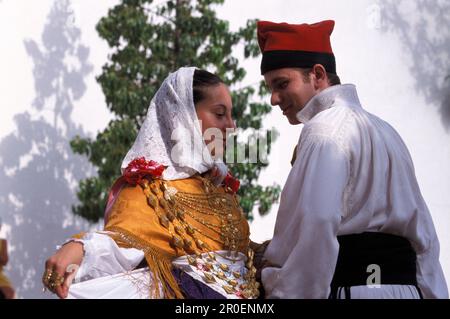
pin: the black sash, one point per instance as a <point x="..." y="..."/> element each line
<point x="393" y="254"/>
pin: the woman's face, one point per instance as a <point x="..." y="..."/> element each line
<point x="214" y="112"/>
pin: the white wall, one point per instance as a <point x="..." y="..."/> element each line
<point x="50" y="54"/>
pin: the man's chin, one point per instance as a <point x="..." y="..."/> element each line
<point x="293" y="121"/>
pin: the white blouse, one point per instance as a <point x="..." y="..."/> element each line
<point x="353" y="174"/>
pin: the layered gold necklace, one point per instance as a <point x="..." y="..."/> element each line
<point x="218" y="217"/>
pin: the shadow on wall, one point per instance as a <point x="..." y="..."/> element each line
<point x="39" y="172"/>
<point x="422" y="27"/>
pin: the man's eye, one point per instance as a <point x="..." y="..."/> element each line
<point x="283" y="85"/>
<point x="220" y="114"/>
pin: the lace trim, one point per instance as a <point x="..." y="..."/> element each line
<point x="171" y="134"/>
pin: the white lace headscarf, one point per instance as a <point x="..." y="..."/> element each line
<point x="171" y="134"/>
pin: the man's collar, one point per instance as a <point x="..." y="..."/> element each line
<point x="345" y="93"/>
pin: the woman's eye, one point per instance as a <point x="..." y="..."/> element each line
<point x="220" y="114"/>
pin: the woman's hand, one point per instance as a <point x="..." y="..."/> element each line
<point x="4" y="252"/>
<point x="60" y="268"/>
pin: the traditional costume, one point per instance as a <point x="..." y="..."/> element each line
<point x="352" y="222"/>
<point x="169" y="232"/>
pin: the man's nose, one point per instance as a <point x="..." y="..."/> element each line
<point x="275" y="99"/>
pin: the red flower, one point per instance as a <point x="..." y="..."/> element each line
<point x="231" y="182"/>
<point x="138" y="168"/>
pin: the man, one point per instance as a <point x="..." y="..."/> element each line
<point x="352" y="222"/>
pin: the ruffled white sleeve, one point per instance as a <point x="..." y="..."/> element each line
<point x="103" y="257"/>
<point x="304" y="250"/>
<point x="108" y="271"/>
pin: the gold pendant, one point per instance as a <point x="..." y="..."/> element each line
<point x="187" y="243"/>
<point x="209" y="278"/>
<point x="229" y="290"/>
<point x="247" y="294"/>
<point x="164" y="221"/>
<point x="163" y="203"/>
<point x="221" y="275"/>
<point x="180" y="214"/>
<point x="191" y="260"/>
<point x="224" y="267"/>
<point x="147" y="192"/>
<point x="211" y="255"/>
<point x="190" y="230"/>
<point x="232" y="282"/>
<point x="177" y="242"/>
<point x="178" y="230"/>
<point x="152" y="201"/>
<point x="250" y="254"/>
<point x="170" y="215"/>
<point x="200" y="244"/>
<point x="170" y="192"/>
<point x="144" y="182"/>
<point x="154" y="188"/>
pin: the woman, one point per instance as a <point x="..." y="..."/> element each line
<point x="173" y="225"/>
<point x="6" y="289"/>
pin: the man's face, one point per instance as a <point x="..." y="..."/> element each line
<point x="289" y="91"/>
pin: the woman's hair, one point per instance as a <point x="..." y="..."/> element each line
<point x="203" y="79"/>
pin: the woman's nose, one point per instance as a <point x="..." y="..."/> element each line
<point x="231" y="123"/>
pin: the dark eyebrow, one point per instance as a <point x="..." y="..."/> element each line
<point x="222" y="106"/>
<point x="277" y="80"/>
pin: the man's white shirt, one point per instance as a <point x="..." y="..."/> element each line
<point x="352" y="174"/>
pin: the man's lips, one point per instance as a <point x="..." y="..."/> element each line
<point x="285" y="110"/>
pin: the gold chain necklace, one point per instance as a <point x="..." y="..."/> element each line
<point x="172" y="208"/>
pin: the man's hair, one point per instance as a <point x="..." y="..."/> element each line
<point x="333" y="79"/>
<point x="203" y="79"/>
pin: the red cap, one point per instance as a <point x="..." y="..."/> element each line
<point x="296" y="45"/>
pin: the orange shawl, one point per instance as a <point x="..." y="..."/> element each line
<point x="135" y="224"/>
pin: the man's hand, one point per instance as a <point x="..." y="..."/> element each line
<point x="258" y="259"/>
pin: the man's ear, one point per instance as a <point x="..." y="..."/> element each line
<point x="320" y="77"/>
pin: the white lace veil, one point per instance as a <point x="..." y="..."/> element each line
<point x="171" y="134"/>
